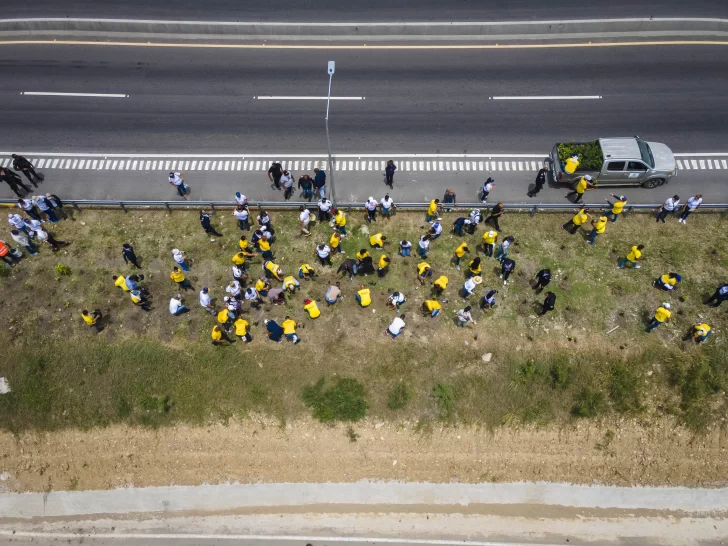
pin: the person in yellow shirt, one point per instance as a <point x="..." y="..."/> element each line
<point x="290" y="284"/>
<point x="584" y="184"/>
<point x="617" y="206"/>
<point x="431" y="308"/>
<point x="599" y="226"/>
<point x="264" y="246"/>
<point x="179" y="278"/>
<point x="572" y="226"/>
<point x="701" y="332"/>
<point x="289" y="330"/>
<point x="433" y="210"/>
<point x="459" y="253"/>
<point x="262" y="286"/>
<point x="335" y="243"/>
<point x="363" y="253"/>
<point x="225" y="318"/>
<point x="219" y="336"/>
<point x="340" y="222"/>
<point x="667" y="282"/>
<point x="241" y="330"/>
<point x="661" y="315"/>
<point x="272" y="270"/>
<point x="440" y="285"/>
<point x="474" y="268"/>
<point x="383" y="266"/>
<point x="489" y="239"/>
<point x="239" y="258"/>
<point x="423" y="271"/>
<point x="634" y="254"/>
<point x="378" y="240"/>
<point x="306" y="272"/>
<point x="363" y="296"/>
<point x="245" y="247"/>
<point x="312" y="308"/>
<point x="571" y="164"/>
<point x="91" y="318"/>
<point x="120" y="281"/>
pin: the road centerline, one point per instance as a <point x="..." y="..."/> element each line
<point x="291" y="97"/>
<point x="54" y="94"/>
<point x="548" y="97"/>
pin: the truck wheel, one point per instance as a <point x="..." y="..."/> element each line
<point x="653" y="183"/>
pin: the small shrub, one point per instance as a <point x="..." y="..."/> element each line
<point x="159" y="404"/>
<point x="526" y="372"/>
<point x="590" y="154"/>
<point x="560" y="374"/>
<point x="4" y="272"/>
<point x="344" y="401"/>
<point x="445" y="397"/>
<point x="62" y="269"/>
<point x="399" y="397"/>
<point x="538" y="413"/>
<point x="588" y="403"/>
<point x="352" y="435"/>
<point x="624" y="389"/>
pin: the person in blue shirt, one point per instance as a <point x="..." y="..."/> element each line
<point x="275" y="331"/>
<point x="319" y="182"/>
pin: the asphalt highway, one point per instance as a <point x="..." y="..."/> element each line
<point x="371" y="10"/>
<point x="425" y="101"/>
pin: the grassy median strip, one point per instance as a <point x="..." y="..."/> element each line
<point x="589" y="359"/>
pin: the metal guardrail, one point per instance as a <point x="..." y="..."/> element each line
<point x="532" y="208"/>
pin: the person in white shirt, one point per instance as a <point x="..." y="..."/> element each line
<point x="669" y="207"/>
<point x="33" y="225"/>
<point x="396" y="300"/>
<point x="176" y="307"/>
<point x="305" y="218"/>
<point x="29" y="206"/>
<point x="45" y="207"/>
<point x="181" y="258"/>
<point x="241" y="199"/>
<point x="242" y="214"/>
<point x="486" y="189"/>
<point x="371" y="208"/>
<point x="435" y="230"/>
<point x="405" y="248"/>
<point x="206" y="301"/>
<point x="324" y="254"/>
<point x="475" y="216"/>
<point x="424" y="245"/>
<point x="464" y="317"/>
<point x="396" y="327"/>
<point x="233" y="289"/>
<point x="387" y="205"/>
<point x="178" y="181"/>
<point x="324" y="206"/>
<point x="691" y="206"/>
<point x="470" y="285"/>
<point x="238" y="273"/>
<point x="488" y="301"/>
<point x="17" y="222"/>
<point x="287" y="183"/>
<point x="251" y="295"/>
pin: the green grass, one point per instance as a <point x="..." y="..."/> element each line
<point x="152" y="369"/>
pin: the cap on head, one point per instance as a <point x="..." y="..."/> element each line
<point x="666" y="305"/>
<point x="587" y="176"/>
<point x="622" y="198"/>
<point x="491" y="233"/>
<point x="237" y="194"/>
<point x="175" y="250"/>
<point x="205" y="289"/>
<point x="477" y="279"/>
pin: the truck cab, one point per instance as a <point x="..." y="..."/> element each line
<point x="628" y="161"/>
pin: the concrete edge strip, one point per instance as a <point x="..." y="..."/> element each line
<point x="212" y="498"/>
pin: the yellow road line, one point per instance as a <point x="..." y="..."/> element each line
<point x="362" y="46"/>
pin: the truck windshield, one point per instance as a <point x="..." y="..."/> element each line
<point x="646" y="153"/>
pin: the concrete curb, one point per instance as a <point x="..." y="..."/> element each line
<point x="314" y="32"/>
<point x="211" y="498"/>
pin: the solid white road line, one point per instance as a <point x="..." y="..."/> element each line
<point x="50" y="94"/>
<point x="553" y="97"/>
<point x="307" y="98"/>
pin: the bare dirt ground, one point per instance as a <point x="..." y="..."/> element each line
<point x="619" y="453"/>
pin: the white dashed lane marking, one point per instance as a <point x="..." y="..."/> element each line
<point x="306" y="163"/>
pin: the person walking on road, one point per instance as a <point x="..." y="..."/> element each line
<point x="13" y="180"/>
<point x="599" y="226"/>
<point x="177" y="180"/>
<point x="274" y="174"/>
<point x="548" y="303"/>
<point x="449" y="199"/>
<point x="319" y="182"/>
<point x="206" y="224"/>
<point x="634" y="255"/>
<point x="488" y="186"/>
<point x="389" y="173"/>
<point x="305" y="184"/>
<point x="27" y="168"/>
<point x="495" y="214"/>
<point x="617" y="207"/>
<point x="669" y="207"/>
<point x="691" y="206"/>
<point x="287" y="183"/>
<point x="543" y="278"/>
<point x="584" y="184"/>
<point x="719" y="296"/>
<point x="579" y="219"/>
<point x="540" y="181"/>
<point x="662" y="314"/>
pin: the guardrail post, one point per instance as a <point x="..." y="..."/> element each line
<point x="169" y="210"/>
<point x="532" y="212"/>
<point x="76" y="207"/>
<point x="212" y="207"/>
<point x="122" y="206"/>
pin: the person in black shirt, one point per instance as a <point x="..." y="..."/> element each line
<point x="543" y="278"/>
<point x="205" y="222"/>
<point x="306" y="184"/>
<point x="274" y="174"/>
<point x="540" y="181"/>
<point x="127" y="252"/>
<point x="13" y="180"/>
<point x="389" y="173"/>
<point x="26" y="167"/>
<point x="348" y="266"/>
<point x="548" y="303"/>
<point x="495" y="213"/>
